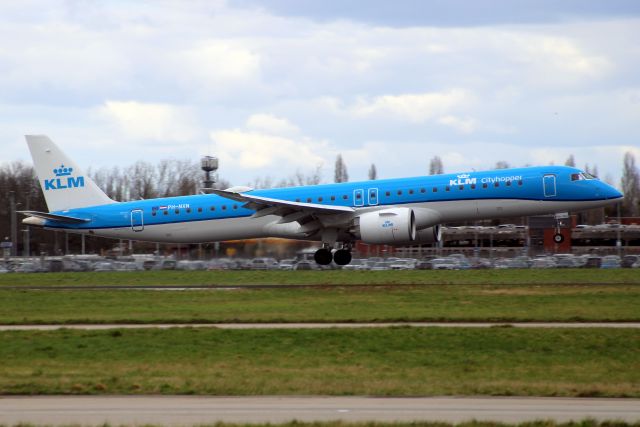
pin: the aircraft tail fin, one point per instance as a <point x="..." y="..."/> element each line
<point x="64" y="184"/>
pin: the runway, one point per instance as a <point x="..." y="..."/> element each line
<point x="567" y="325"/>
<point x="184" y="410"/>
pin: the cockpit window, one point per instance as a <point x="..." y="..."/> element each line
<point x="581" y="176"/>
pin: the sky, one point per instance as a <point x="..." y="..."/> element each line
<point x="276" y="87"/>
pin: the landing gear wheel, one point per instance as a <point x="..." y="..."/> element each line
<point x="558" y="238"/>
<point x="323" y="256"/>
<point x="342" y="257"/>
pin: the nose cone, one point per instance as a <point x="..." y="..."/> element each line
<point x="612" y="193"/>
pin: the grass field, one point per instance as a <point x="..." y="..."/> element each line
<point x="387" y="362"/>
<point x="396" y="303"/>
<point x="415" y="277"/>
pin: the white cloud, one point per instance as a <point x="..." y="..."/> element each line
<point x="215" y="64"/>
<point x="251" y="149"/>
<point x="558" y="59"/>
<point x="466" y="125"/>
<point x="413" y="107"/>
<point x="149" y="121"/>
<point x="271" y="124"/>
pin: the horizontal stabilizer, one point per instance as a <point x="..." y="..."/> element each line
<point x="55" y="217"/>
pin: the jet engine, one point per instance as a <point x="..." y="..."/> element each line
<point x="388" y="226"/>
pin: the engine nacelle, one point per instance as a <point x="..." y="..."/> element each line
<point x="425" y="236"/>
<point x="388" y="226"/>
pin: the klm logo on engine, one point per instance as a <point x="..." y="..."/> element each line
<point x="387" y="224"/>
<point x="63" y="179"/>
<point x="463" y="179"/>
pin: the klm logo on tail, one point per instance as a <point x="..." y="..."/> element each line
<point x="63" y="180"/>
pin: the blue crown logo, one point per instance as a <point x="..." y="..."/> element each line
<point x="62" y="171"/>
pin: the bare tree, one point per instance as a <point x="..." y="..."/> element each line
<point x="501" y="164"/>
<point x="340" y="173"/>
<point x="571" y="161"/>
<point x="373" y="172"/>
<point x="435" y="166"/>
<point x="630" y="184"/>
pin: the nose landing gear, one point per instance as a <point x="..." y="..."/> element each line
<point x="558" y="237"/>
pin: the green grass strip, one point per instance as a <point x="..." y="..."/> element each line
<point x="378" y="362"/>
<point x="475" y="303"/>
<point x="419" y="277"/>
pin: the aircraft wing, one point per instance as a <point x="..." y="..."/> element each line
<point x="304" y="213"/>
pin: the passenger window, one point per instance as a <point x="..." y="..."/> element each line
<point x="461" y="187"/>
<point x="177" y="211"/>
<point x="166" y="212"/>
<point x="520" y="182"/>
<point x="153" y="213"/>
<point x="358" y="196"/>
<point x="446" y="188"/>
<point x="212" y="208"/>
<point x="473" y="186"/>
<point x="188" y="210"/>
<point x="423" y="190"/>
<point x="435" y="189"/>
<point x="199" y="209"/>
<point x="399" y="192"/>
<point x="410" y="191"/>
<point x="320" y="199"/>
<point x="508" y="183"/>
<point x="345" y="197"/>
<point x="308" y="199"/>
<point x="388" y="193"/>
<point x="235" y="206"/>
<point x="224" y="207"/>
<point x="496" y="184"/>
<point x="333" y="197"/>
<point x="372" y="194"/>
<point x="484" y="185"/>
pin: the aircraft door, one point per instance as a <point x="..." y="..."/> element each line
<point x="549" y="183"/>
<point x="373" y="196"/>
<point x="358" y="197"/>
<point x="137" y="220"/>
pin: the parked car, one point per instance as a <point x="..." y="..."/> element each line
<point x="543" y="263"/>
<point x="610" y="261"/>
<point x="593" y="262"/>
<point x="629" y="260"/>
<point x="303" y="265"/>
<point x="286" y="264"/>
<point x="444" y="264"/>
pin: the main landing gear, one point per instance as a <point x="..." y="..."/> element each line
<point x="342" y="256"/>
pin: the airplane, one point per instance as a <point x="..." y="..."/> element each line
<point x="404" y="211"/>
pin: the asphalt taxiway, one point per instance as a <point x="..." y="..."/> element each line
<point x="184" y="410"/>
